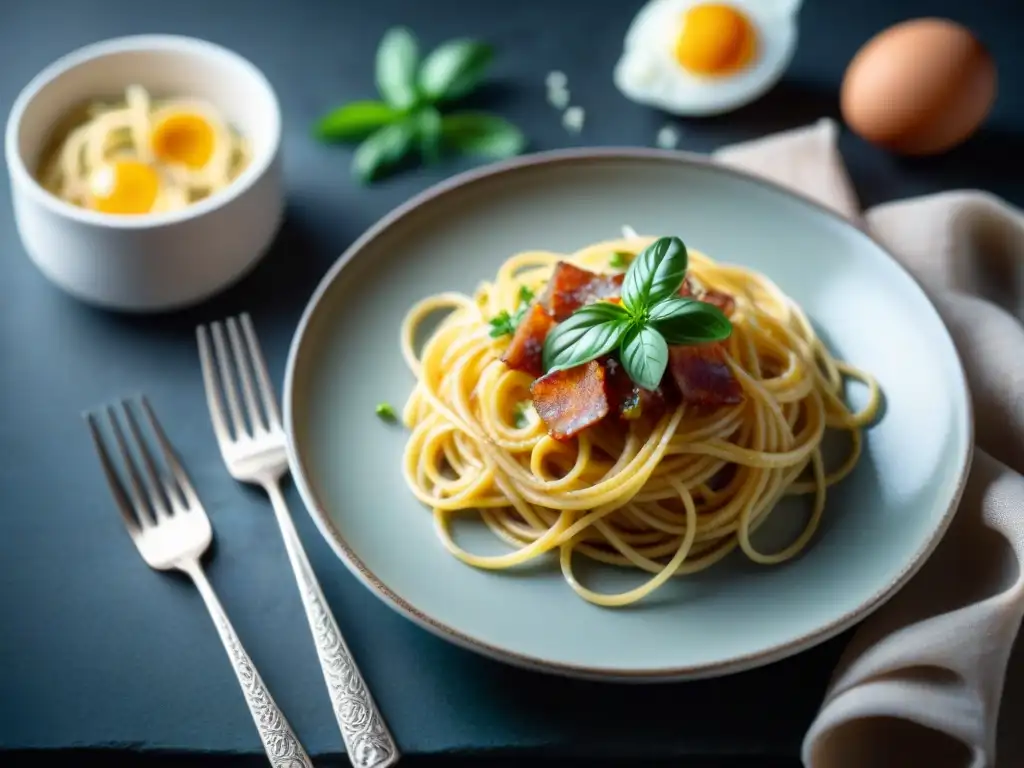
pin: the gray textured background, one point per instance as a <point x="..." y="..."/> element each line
<point x="98" y="652"/>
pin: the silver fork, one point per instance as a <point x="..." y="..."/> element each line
<point x="254" y="451"/>
<point x="169" y="526"/>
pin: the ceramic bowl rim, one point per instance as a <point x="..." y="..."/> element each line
<point x="655" y="674"/>
<point x="200" y="50"/>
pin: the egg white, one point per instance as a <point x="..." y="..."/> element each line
<point x="648" y="72"/>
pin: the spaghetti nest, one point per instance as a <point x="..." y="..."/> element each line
<point x="669" y="497"/>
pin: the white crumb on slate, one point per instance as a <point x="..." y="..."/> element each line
<point x="558" y="99"/>
<point x="556" y="81"/>
<point x="573" y="119"/>
<point x="668" y="137"/>
<point x="558" y="89"/>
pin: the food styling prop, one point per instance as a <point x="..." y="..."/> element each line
<point x="157" y="261"/>
<point x="695" y="58"/>
<point x="920" y="87"/>
<point x="168" y="524"/>
<point x="922" y="680"/>
<point x="409" y="119"/>
<point x="253" y="446"/>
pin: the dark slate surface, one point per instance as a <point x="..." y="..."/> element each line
<point x="96" y="651"/>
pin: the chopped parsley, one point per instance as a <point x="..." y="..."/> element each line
<point x="386" y="411"/>
<point x="502" y="324"/>
<point x="620" y="259"/>
<point x="505" y="324"/>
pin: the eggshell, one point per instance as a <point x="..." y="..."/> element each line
<point x="920" y="87"/>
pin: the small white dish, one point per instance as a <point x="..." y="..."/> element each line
<point x="158" y="261"/>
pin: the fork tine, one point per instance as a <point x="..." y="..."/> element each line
<point x="227" y="379"/>
<point x="124" y="505"/>
<point x="184" y="486"/>
<point x="155" y="487"/>
<point x="214" y="400"/>
<point x="142" y="511"/>
<point x="242" y="366"/>
<point x="266" y="387"/>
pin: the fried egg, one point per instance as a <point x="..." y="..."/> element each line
<point x="703" y="58"/>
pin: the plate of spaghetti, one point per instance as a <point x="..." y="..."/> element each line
<point x="626" y="414"/>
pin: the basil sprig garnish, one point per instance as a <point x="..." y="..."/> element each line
<point x="408" y="119"/>
<point x="651" y="316"/>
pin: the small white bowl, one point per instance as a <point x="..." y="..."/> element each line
<point x="158" y="261"/>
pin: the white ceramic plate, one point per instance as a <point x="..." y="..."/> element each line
<point x="881" y="522"/>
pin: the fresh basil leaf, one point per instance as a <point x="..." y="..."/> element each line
<point x="588" y="333"/>
<point x="355" y="121"/>
<point x="453" y="69"/>
<point x="644" y="356"/>
<point x="655" y="274"/>
<point x="428" y="128"/>
<point x="397" y="59"/>
<point x="688" y="321"/>
<point x="478" y="133"/>
<point x="672" y="307"/>
<point x="382" y="150"/>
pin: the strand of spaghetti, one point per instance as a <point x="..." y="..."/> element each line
<point x="637" y="593"/>
<point x="642" y="496"/>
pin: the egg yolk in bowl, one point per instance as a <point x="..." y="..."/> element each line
<point x="184" y="138"/>
<point x="716" y="39"/>
<point x="124" y="186"/>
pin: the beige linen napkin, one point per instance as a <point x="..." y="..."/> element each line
<point x="922" y="680"/>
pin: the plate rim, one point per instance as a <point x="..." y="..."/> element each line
<point x="738" y="663"/>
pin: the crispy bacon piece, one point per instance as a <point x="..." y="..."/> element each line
<point x="569" y="401"/>
<point x="525" y="351"/>
<point x="630" y="401"/>
<point x="571" y="287"/>
<point x="702" y="375"/>
<point x="720" y="299"/>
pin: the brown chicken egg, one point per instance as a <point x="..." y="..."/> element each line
<point x="919" y="88"/>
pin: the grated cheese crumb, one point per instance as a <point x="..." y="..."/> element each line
<point x="556" y="81"/>
<point x="573" y="118"/>
<point x="558" y="89"/>
<point x="668" y="137"/>
<point x="559" y="99"/>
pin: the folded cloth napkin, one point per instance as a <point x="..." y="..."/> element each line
<point x="923" y="678"/>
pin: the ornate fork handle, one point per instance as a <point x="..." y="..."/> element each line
<point x="367" y="740"/>
<point x="279" y="741"/>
